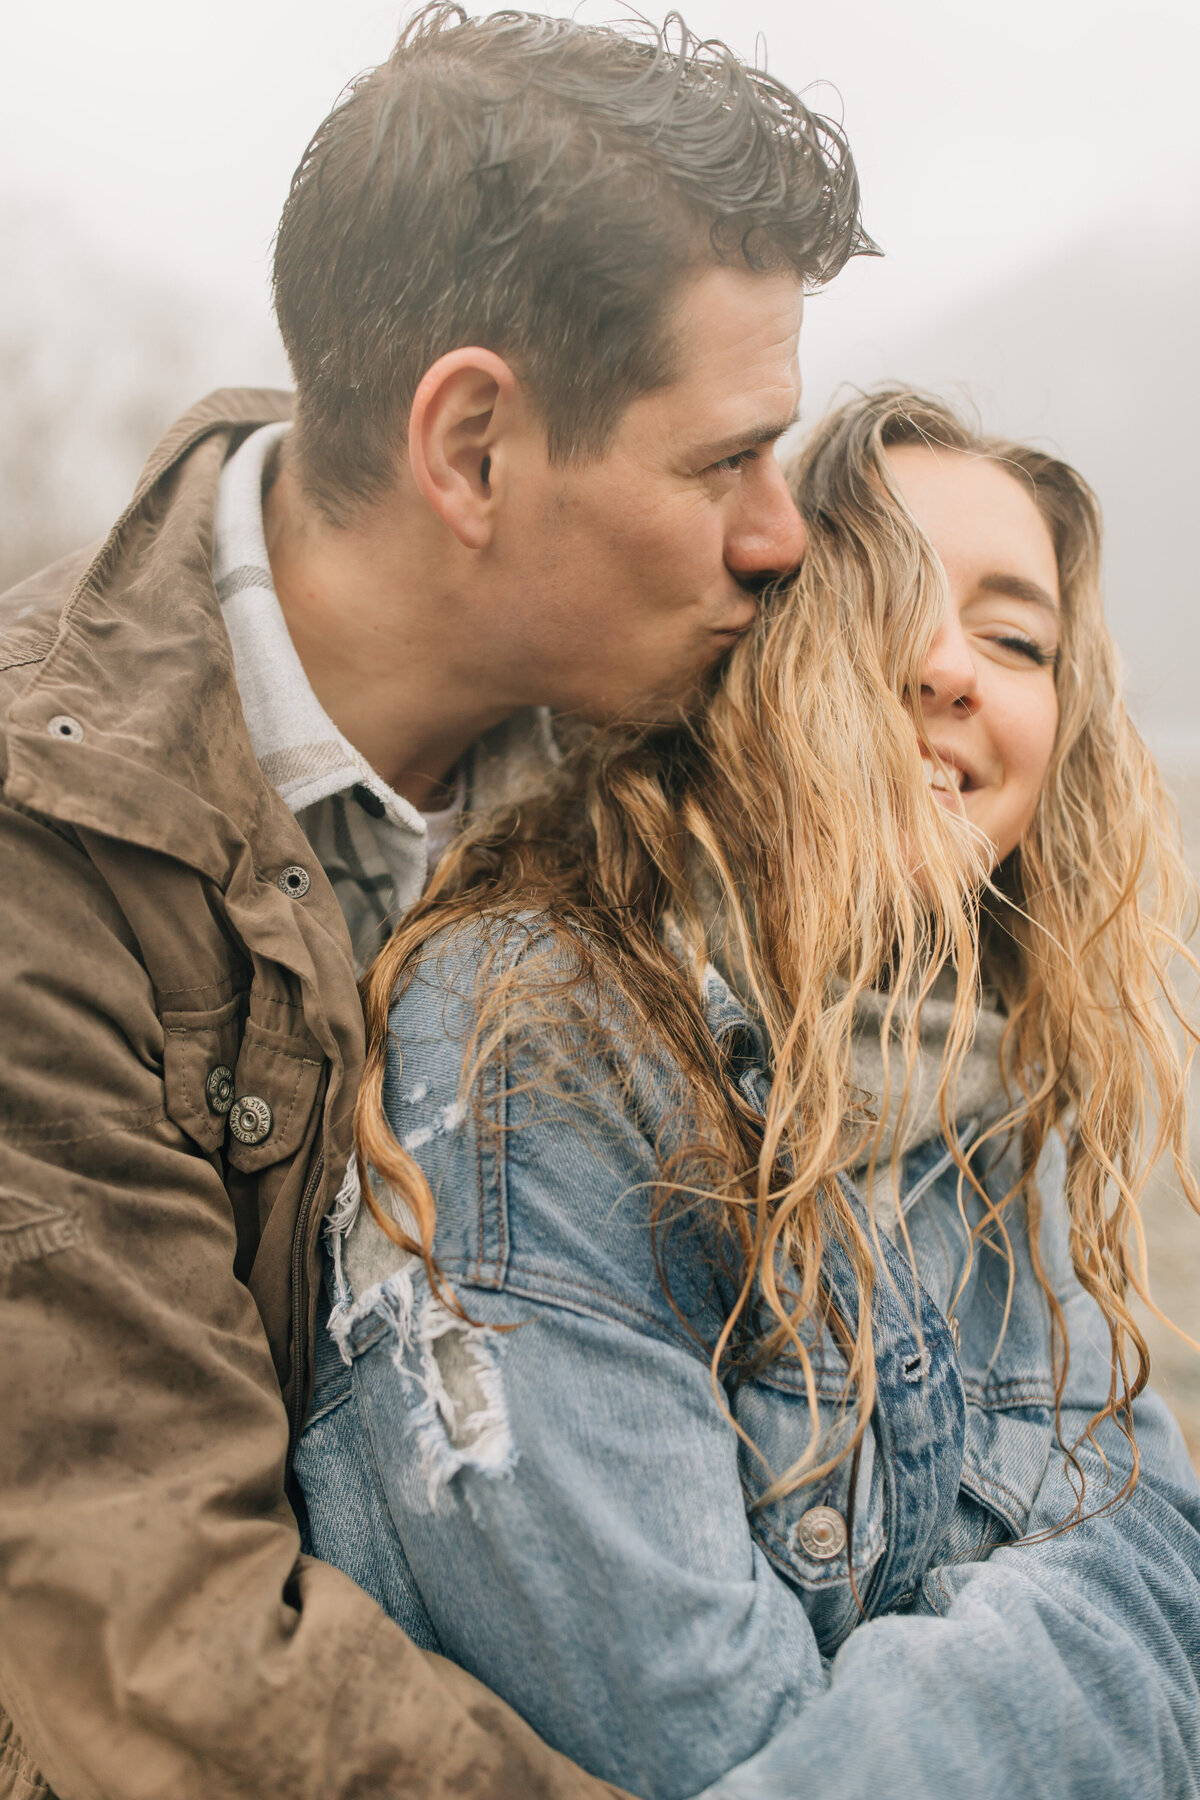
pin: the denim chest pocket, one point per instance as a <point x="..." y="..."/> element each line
<point x="1003" y="1331"/>
<point x="824" y="1543"/>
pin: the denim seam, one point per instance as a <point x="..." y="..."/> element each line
<point x="1003" y="1396"/>
<point x="480" y="1128"/>
<point x="575" y="1296"/>
<point x="330" y="1406"/>
<point x="976" y="1482"/>
<point x="491" y="1171"/>
<point x="827" y="1385"/>
<point x="366" y="1432"/>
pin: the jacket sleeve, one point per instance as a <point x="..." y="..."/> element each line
<point x="1065" y="1665"/>
<point x="1068" y="1667"/>
<point x="160" y="1632"/>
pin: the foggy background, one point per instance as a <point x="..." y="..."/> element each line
<point x="1032" y="171"/>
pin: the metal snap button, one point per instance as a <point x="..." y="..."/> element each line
<point x="251" y="1119"/>
<point x="821" y="1533"/>
<point x="294" y="881"/>
<point x="218" y="1089"/>
<point x="62" y="725"/>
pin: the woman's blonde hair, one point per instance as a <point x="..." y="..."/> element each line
<point x="774" y="827"/>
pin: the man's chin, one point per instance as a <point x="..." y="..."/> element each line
<point x="652" y="709"/>
<point x="646" y="712"/>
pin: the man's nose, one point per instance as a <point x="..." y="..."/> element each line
<point x="949" y="676"/>
<point x="768" y="536"/>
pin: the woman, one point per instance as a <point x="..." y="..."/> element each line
<point x="722" y="1467"/>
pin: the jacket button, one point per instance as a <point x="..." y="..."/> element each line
<point x="821" y="1533"/>
<point x="62" y="725"/>
<point x="250" y="1119"/>
<point x="370" y="802"/>
<point x="218" y="1089"/>
<point x="294" y="881"/>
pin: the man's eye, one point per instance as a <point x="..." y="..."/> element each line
<point x="728" y="464"/>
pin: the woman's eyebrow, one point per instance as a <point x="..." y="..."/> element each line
<point x="1018" y="588"/>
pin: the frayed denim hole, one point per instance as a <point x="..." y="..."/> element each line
<point x="462" y="1423"/>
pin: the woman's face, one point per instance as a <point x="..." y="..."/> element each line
<point x="987" y="687"/>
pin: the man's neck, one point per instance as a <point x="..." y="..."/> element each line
<point x="388" y="647"/>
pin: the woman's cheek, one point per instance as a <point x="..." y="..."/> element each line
<point x="1034" y="729"/>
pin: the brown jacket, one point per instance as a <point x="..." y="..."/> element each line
<point x="161" y="1634"/>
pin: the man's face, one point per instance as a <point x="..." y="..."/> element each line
<point x="637" y="571"/>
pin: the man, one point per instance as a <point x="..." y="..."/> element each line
<point x="540" y="285"/>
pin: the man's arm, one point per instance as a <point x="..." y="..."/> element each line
<point x="160" y="1633"/>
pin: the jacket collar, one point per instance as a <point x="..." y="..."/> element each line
<point x="154" y="748"/>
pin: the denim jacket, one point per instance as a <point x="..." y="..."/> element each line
<point x="550" y="1492"/>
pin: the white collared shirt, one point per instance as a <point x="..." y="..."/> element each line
<point x="376" y="847"/>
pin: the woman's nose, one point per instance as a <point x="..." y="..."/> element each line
<point x="949" y="676"/>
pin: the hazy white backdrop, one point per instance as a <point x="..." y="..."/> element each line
<point x="1032" y="169"/>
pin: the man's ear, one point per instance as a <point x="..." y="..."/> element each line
<point x="462" y="411"/>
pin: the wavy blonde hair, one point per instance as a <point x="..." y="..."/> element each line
<point x="775" y="826"/>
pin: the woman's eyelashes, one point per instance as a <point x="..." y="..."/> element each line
<point x="1041" y="654"/>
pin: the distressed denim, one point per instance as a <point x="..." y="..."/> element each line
<point x="550" y="1492"/>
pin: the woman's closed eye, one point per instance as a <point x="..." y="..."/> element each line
<point x="1042" y="656"/>
<point x="1013" y="645"/>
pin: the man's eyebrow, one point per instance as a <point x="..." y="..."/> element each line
<point x="1018" y="588"/>
<point x="751" y="439"/>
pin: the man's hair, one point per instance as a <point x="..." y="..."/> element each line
<point x="540" y="188"/>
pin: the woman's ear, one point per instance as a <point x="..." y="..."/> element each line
<point x="460" y="414"/>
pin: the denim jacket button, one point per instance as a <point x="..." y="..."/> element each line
<point x="251" y="1119"/>
<point x="821" y="1533"/>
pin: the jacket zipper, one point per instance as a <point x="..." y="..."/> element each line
<point x="299" y="1297"/>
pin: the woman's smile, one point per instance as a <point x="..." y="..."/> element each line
<point x="989" y="705"/>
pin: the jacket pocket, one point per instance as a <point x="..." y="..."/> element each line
<point x="200" y="1051"/>
<point x="275" y="1087"/>
<point x="1005" y="1453"/>
<point x="825" y="1545"/>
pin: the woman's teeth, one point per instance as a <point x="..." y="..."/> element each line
<point x="948" y="778"/>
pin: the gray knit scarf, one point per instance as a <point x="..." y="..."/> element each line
<point x="979" y="1094"/>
